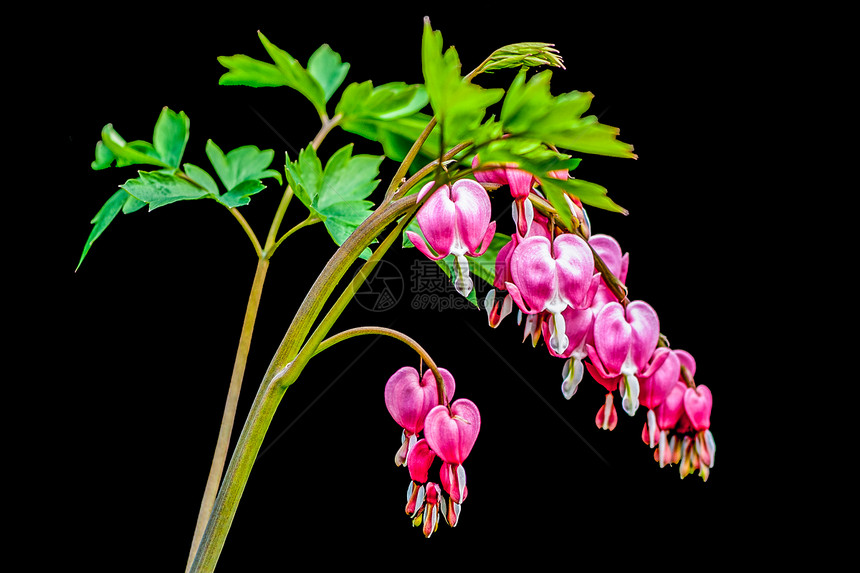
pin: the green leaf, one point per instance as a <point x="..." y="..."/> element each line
<point x="385" y="102"/>
<point x="169" y="139"/>
<point x="327" y="69"/>
<point x="530" y="110"/>
<point x="104" y="157"/>
<point x="305" y="176"/>
<point x="389" y="114"/>
<point x="159" y="188"/>
<point x="134" y="153"/>
<point x="338" y="193"/>
<point x="171" y="136"/>
<point x="103" y="218"/>
<point x="202" y="178"/>
<point x="240" y="195"/>
<point x="459" y="105"/>
<point x="241" y="164"/>
<point x="246" y="71"/>
<point x="295" y="76"/>
<point x="587" y="192"/>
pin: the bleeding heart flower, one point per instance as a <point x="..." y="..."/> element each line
<point x="552" y="276"/>
<point x="453" y="478"/>
<point x="520" y="184"/>
<point x="577" y="327"/>
<point x="607" y="417"/>
<point x="455" y="220"/>
<point x="409" y="397"/>
<point x="697" y="404"/>
<point x="429" y="504"/>
<point x="625" y="338"/>
<point x="452" y="433"/>
<point x="655" y="383"/>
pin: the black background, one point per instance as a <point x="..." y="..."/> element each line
<point x="147" y="328"/>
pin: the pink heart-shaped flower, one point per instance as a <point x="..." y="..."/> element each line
<point x="409" y="397"/>
<point x="659" y="377"/>
<point x="451" y="434"/>
<point x="697" y="403"/>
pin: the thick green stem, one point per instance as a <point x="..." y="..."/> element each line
<point x="285" y="369"/>
<point x="219" y="458"/>
<point x="259" y="417"/>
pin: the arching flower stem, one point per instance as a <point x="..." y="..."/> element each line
<point x="396" y="334"/>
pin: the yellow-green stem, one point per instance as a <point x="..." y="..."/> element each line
<point x="219" y="458"/>
<point x="397" y="335"/>
<point x="228" y="418"/>
<point x="282" y="373"/>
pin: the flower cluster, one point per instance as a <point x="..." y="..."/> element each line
<point x="552" y="277"/>
<point x="432" y="427"/>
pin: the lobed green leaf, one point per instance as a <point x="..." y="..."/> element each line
<point x="459" y="105"/>
<point x="338" y="192"/>
<point x="159" y="188"/>
<point x="530" y="110"/>
<point x="327" y="69"/>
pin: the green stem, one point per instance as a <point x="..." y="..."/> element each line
<point x="248" y="231"/>
<point x="228" y="418"/>
<point x="219" y="458"/>
<point x="396" y="334"/>
<point x="248" y="445"/>
<point x="276" y="221"/>
<point x="309" y="221"/>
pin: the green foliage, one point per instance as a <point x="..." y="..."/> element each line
<point x="159" y="188"/>
<point x="321" y="79"/>
<point x="168" y="144"/>
<point x="530" y="110"/>
<point x="458" y="104"/>
<point x="482" y="267"/>
<point x="389" y="114"/>
<point x="337" y="194"/>
<point x="523" y="55"/>
<point x="241" y="172"/>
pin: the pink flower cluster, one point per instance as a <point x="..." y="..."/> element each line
<point x="552" y="278"/>
<point x="432" y="427"/>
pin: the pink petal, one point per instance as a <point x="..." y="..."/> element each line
<point x="646" y="331"/>
<point x="520" y="182"/>
<point x="419" y="461"/>
<point x="598" y="371"/>
<point x="503" y="263"/>
<point x="698" y="402"/>
<point x="575" y="268"/>
<point x="422" y="246"/>
<point x="438" y="219"/>
<point x="533" y="271"/>
<point x="659" y="378"/>
<point x="612" y="336"/>
<point x="486" y="241"/>
<point x="672" y="407"/>
<point x="609" y="251"/>
<point x="409" y="398"/>
<point x="452" y="434"/>
<point x="577" y="327"/>
<point x="473" y="212"/>
<point x="607" y="417"/>
<point x="497" y="176"/>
